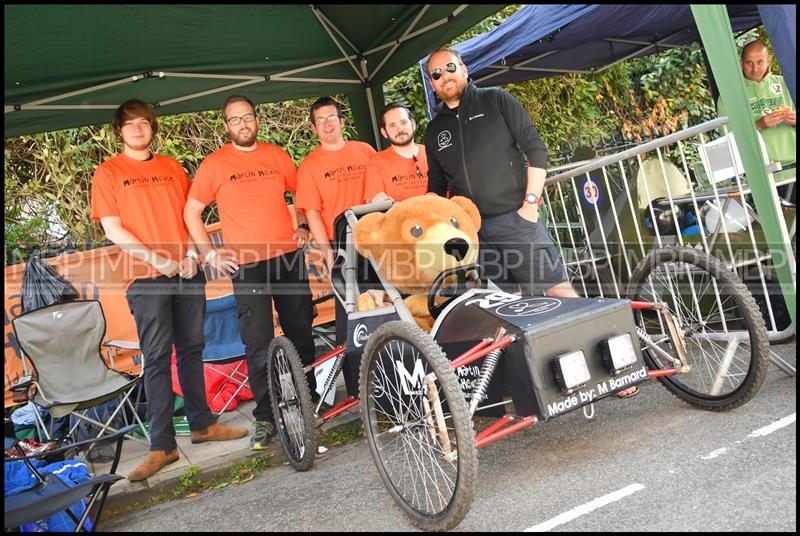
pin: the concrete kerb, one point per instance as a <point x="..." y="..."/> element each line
<point x="146" y="494"/>
<point x="125" y="495"/>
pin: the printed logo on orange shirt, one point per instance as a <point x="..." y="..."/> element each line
<point x="255" y="175"/>
<point x="138" y="182"/>
<point x="331" y="174"/>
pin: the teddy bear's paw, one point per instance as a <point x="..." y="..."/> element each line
<point x="365" y="302"/>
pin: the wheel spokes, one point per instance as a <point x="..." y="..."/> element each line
<point x="291" y="415"/>
<point x="420" y="469"/>
<point x="717" y="348"/>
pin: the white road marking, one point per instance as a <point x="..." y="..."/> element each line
<point x="578" y="511"/>
<point x="600" y="502"/>
<point x="766" y="430"/>
<point x="713" y="454"/>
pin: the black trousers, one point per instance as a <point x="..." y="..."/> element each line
<point x="284" y="280"/>
<point x="170" y="310"/>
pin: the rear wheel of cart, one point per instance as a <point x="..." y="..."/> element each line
<point x="291" y="403"/>
<point x="724" y="332"/>
<point x="418" y="426"/>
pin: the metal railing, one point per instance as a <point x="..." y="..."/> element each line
<point x="607" y="213"/>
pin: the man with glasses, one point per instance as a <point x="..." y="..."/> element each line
<point x="483" y="145"/>
<point x="401" y="171"/>
<point x="138" y="198"/>
<point x="249" y="179"/>
<point x="330" y="180"/>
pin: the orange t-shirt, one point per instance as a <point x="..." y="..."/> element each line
<point x="249" y="188"/>
<point x="148" y="197"/>
<point x="333" y="181"/>
<point x="397" y="175"/>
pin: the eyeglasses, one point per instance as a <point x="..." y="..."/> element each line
<point x="330" y="119"/>
<point x="246" y="118"/>
<point x="436" y="74"/>
<point x="416" y="165"/>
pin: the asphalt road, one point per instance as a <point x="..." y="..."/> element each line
<point x="649" y="463"/>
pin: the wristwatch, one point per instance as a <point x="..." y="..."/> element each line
<point x="533" y="199"/>
<point x="304" y="226"/>
<point x="192" y="254"/>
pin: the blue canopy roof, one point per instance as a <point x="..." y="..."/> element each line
<point x="546" y="40"/>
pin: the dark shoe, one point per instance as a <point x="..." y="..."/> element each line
<point x="629" y="392"/>
<point x="323" y="409"/>
<point x="217" y="432"/>
<point x="155" y="461"/>
<point x="264" y="432"/>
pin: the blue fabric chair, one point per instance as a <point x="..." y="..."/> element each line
<point x="224" y="346"/>
<point x="43" y="495"/>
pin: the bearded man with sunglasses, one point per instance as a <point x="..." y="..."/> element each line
<point x="263" y="250"/>
<point x="483" y="145"/>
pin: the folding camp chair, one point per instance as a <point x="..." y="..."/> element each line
<point x="63" y="344"/>
<point x="51" y="494"/>
<point x="224" y="352"/>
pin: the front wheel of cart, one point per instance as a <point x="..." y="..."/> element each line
<point x="418" y="426"/>
<point x="291" y="403"/>
<point x="724" y="332"/>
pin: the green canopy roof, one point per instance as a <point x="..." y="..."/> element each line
<point x="69" y="66"/>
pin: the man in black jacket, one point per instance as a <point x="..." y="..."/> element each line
<point x="482" y="144"/>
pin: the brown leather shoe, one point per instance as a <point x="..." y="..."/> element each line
<point x="217" y="432"/>
<point x="154" y="462"/>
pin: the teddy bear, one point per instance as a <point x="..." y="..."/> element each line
<point x="414" y="241"/>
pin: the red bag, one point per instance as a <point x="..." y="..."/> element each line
<point x="219" y="389"/>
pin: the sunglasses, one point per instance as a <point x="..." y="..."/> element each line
<point x="436" y="74"/>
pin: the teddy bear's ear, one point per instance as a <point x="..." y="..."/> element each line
<point x="470" y="208"/>
<point x="366" y="235"/>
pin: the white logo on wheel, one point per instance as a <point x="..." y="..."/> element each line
<point x="412" y="383"/>
<point x="360" y="335"/>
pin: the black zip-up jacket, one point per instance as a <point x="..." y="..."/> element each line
<point x="479" y="150"/>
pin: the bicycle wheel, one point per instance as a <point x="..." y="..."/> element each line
<point x="725" y="335"/>
<point x="417" y="425"/>
<point x="291" y="403"/>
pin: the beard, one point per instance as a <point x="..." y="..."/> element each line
<point x="401" y="140"/>
<point x="244" y="138"/>
<point x="454" y="91"/>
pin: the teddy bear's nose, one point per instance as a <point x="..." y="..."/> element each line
<point x="457" y="247"/>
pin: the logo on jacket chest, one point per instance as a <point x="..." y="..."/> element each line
<point x="444" y="139"/>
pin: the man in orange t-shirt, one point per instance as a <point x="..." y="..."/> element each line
<point x="138" y="198"/>
<point x="330" y="180"/>
<point x="249" y="179"/>
<point x="401" y="171"/>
